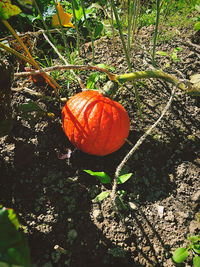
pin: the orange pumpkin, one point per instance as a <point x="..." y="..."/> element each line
<point x="94" y="123"/>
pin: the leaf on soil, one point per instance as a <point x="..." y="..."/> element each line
<point x="106" y="66"/>
<point x="101" y="196"/>
<point x="29" y="107"/>
<point x="193" y="238"/>
<point x="196" y="248"/>
<point x="13" y="244"/>
<point x="93" y="78"/>
<point x="196" y="261"/>
<point x="102" y="176"/>
<point x="162" y="53"/>
<point x="197" y="26"/>
<point x="123" y="178"/>
<point x="98" y="29"/>
<point x="197" y="7"/>
<point x="179" y="255"/>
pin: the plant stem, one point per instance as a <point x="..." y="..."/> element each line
<point x="76" y="26"/>
<point x="61" y="27"/>
<point x="136" y="146"/>
<point x="135" y="17"/>
<point x="14" y="52"/>
<point x="44" y="23"/>
<point x="158" y="74"/>
<point x="129" y="24"/>
<point x="111" y="76"/>
<point x="126" y="53"/>
<point x="121" y="35"/>
<point x="156" y="32"/>
<point x="112" y="25"/>
<point x="8" y="26"/>
<point x="89" y="30"/>
<point x="186" y="85"/>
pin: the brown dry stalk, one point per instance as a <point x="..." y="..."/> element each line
<point x="36" y="34"/>
<point x="48" y="78"/>
<point x="111" y="76"/>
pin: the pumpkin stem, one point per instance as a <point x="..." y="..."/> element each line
<point x="186" y="86"/>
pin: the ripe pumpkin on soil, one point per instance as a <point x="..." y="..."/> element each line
<point x="94" y="123"/>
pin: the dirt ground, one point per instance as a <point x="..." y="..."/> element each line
<point x="53" y="197"/>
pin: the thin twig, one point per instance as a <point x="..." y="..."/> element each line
<point x="192" y="44"/>
<point x="139" y="142"/>
<point x="65" y="61"/>
<point x="35" y="34"/>
<point x="111" y="76"/>
<point x="27" y="90"/>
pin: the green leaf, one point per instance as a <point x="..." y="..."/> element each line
<point x="197" y="7"/>
<point x="29" y="107"/>
<point x="79" y="13"/>
<point x="122" y="203"/>
<point x="178" y="48"/>
<point x="98" y="29"/>
<point x="193" y="238"/>
<point x="93" y="78"/>
<point x="196" y="248"/>
<point x="13" y="244"/>
<point x="197" y="26"/>
<point x="122" y="192"/>
<point x="123" y="178"/>
<point x="174" y="56"/>
<point x="196" y="261"/>
<point x="13" y="218"/>
<point x="101" y="196"/>
<point x="76" y="4"/>
<point x="49" y="11"/>
<point x="106" y="66"/>
<point x="8" y="230"/>
<point x="179" y="255"/>
<point x="162" y="53"/>
<point x="102" y="176"/>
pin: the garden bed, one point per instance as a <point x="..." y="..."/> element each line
<point x="53" y="197"/>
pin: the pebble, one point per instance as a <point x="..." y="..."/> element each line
<point x="160" y="210"/>
<point x="96" y="213"/>
<point x="132" y="205"/>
